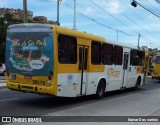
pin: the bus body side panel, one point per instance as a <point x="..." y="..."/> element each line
<point x="69" y="75"/>
<point x="156" y="67"/>
<point x="93" y="80"/>
<point x="55" y="56"/>
<point x="146" y="66"/>
<point x="113" y="77"/>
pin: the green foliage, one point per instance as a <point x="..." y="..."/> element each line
<point x="3" y="31"/>
<point x="4" y="23"/>
<point x="8" y="16"/>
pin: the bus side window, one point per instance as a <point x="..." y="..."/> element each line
<point x="118" y="55"/>
<point x="141" y="58"/>
<point x="67" y="49"/>
<point x="134" y="60"/>
<point x="107" y="54"/>
<point x="96" y="53"/>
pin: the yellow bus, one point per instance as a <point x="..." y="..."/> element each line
<point x="49" y="59"/>
<point x="146" y="64"/>
<point x="156" y="68"/>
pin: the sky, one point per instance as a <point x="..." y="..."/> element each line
<point x="115" y="20"/>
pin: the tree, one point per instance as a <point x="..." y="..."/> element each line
<point x="3" y="30"/>
<point x="4" y="22"/>
<point x="8" y="17"/>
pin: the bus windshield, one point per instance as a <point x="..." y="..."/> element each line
<point x="157" y="60"/>
<point x="29" y="52"/>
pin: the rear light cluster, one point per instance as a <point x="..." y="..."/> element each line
<point x="7" y="71"/>
<point x="50" y="75"/>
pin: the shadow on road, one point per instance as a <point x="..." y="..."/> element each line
<point x="52" y="104"/>
<point x="32" y="104"/>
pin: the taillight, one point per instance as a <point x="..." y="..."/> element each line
<point x="50" y="75"/>
<point x="7" y="71"/>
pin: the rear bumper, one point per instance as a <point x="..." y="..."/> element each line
<point x="155" y="76"/>
<point x="31" y="88"/>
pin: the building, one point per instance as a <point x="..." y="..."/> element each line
<point x="18" y="14"/>
<point x="52" y="22"/>
<point x="40" y="19"/>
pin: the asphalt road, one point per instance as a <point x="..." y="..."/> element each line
<point x="14" y="103"/>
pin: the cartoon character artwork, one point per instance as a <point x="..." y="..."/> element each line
<point x="29" y="51"/>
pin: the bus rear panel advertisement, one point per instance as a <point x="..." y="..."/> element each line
<point x="30" y="53"/>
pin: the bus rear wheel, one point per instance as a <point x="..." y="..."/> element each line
<point x="100" y="89"/>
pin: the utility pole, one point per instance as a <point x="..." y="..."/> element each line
<point x="139" y="35"/>
<point x="25" y="11"/>
<point x="58" y="2"/>
<point x="74" y="21"/>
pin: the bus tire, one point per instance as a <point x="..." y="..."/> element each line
<point x="138" y="82"/>
<point x="100" y="89"/>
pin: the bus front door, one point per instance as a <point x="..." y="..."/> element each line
<point x="125" y="69"/>
<point x="83" y="69"/>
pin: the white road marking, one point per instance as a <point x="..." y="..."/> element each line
<point x="2" y="84"/>
<point x="8" y="99"/>
<point x="2" y="80"/>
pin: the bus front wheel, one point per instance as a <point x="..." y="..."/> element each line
<point x="138" y="82"/>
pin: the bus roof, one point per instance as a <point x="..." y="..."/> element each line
<point x="76" y="33"/>
<point x="91" y="36"/>
<point x="79" y="34"/>
<point x="118" y="43"/>
<point x="29" y="25"/>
